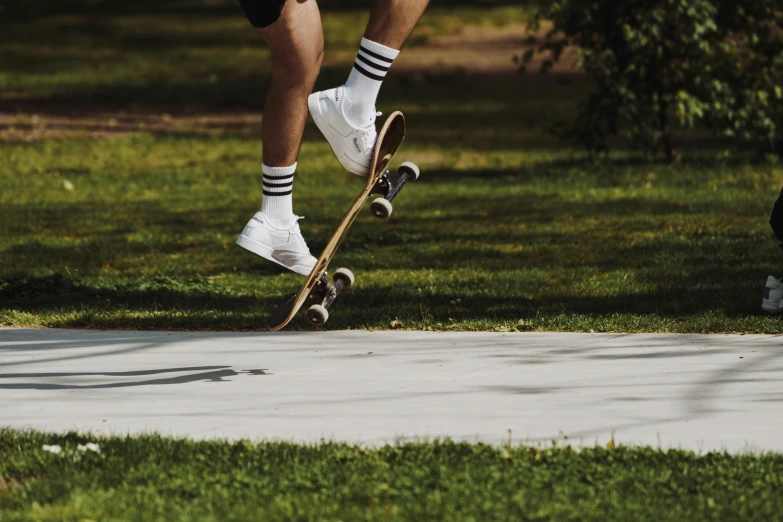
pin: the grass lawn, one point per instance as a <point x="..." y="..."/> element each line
<point x="128" y="219"/>
<point x="153" y="478"/>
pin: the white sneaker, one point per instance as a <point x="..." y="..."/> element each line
<point x="773" y="292"/>
<point x="353" y="146"/>
<point x="284" y="246"/>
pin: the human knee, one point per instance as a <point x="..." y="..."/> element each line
<point x="300" y="68"/>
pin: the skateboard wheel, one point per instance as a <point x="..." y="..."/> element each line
<point x="345" y="275"/>
<point x="411" y="168"/>
<point x="318" y="315"/>
<point x="381" y="208"/>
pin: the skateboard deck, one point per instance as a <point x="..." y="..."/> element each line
<point x="389" y="140"/>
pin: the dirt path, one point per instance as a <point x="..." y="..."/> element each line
<point x="30" y="126"/>
<point x="475" y="51"/>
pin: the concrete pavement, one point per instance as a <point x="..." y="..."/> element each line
<point x="699" y="392"/>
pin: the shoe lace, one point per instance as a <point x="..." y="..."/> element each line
<point x="295" y="227"/>
<point x="369" y="135"/>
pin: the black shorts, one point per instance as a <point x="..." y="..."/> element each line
<point x="262" y="13"/>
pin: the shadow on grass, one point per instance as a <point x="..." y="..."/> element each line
<point x="167" y="303"/>
<point x="601" y="236"/>
<point x="701" y="154"/>
<point x="446" y="111"/>
<point x="473" y="118"/>
<point x="100" y="235"/>
<point x="474" y="111"/>
<point x="159" y="293"/>
<point x="15" y="12"/>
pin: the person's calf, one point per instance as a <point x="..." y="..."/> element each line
<point x="285" y="115"/>
<point x="296" y="65"/>
<point x="391" y="21"/>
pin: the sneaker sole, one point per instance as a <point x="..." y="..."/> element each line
<point x="315" y="112"/>
<point x="266" y="252"/>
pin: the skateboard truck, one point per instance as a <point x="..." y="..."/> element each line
<point x="389" y="188"/>
<point x="327" y="292"/>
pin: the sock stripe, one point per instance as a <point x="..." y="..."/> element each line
<point x="267" y="193"/>
<point x="371" y="63"/>
<point x="368" y="74"/>
<point x="375" y="55"/>
<point x="278" y="185"/>
<point x="267" y="176"/>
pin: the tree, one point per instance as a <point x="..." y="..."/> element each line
<point x="655" y="62"/>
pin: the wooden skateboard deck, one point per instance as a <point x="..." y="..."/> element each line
<point x="390" y="138"/>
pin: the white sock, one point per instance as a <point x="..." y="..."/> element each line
<point x="278" y="188"/>
<point x="364" y="82"/>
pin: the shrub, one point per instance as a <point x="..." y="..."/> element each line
<point x="658" y="62"/>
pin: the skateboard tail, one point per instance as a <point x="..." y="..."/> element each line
<point x="283" y="313"/>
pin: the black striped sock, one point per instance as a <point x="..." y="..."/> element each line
<point x="371" y="64"/>
<point x="361" y="90"/>
<point x="278" y="188"/>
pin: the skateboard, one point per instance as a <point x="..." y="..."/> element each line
<point x="317" y="285"/>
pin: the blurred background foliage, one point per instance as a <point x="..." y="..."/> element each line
<point x="715" y="63"/>
<point x="17" y="10"/>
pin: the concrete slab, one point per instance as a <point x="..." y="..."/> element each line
<point x="700" y="392"/>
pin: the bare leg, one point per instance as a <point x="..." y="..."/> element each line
<point x="391" y="21"/>
<point x="296" y="44"/>
<point x="346" y="114"/>
<point x="295" y="40"/>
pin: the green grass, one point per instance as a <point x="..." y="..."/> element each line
<point x="506" y="230"/>
<point x="154" y="478"/>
